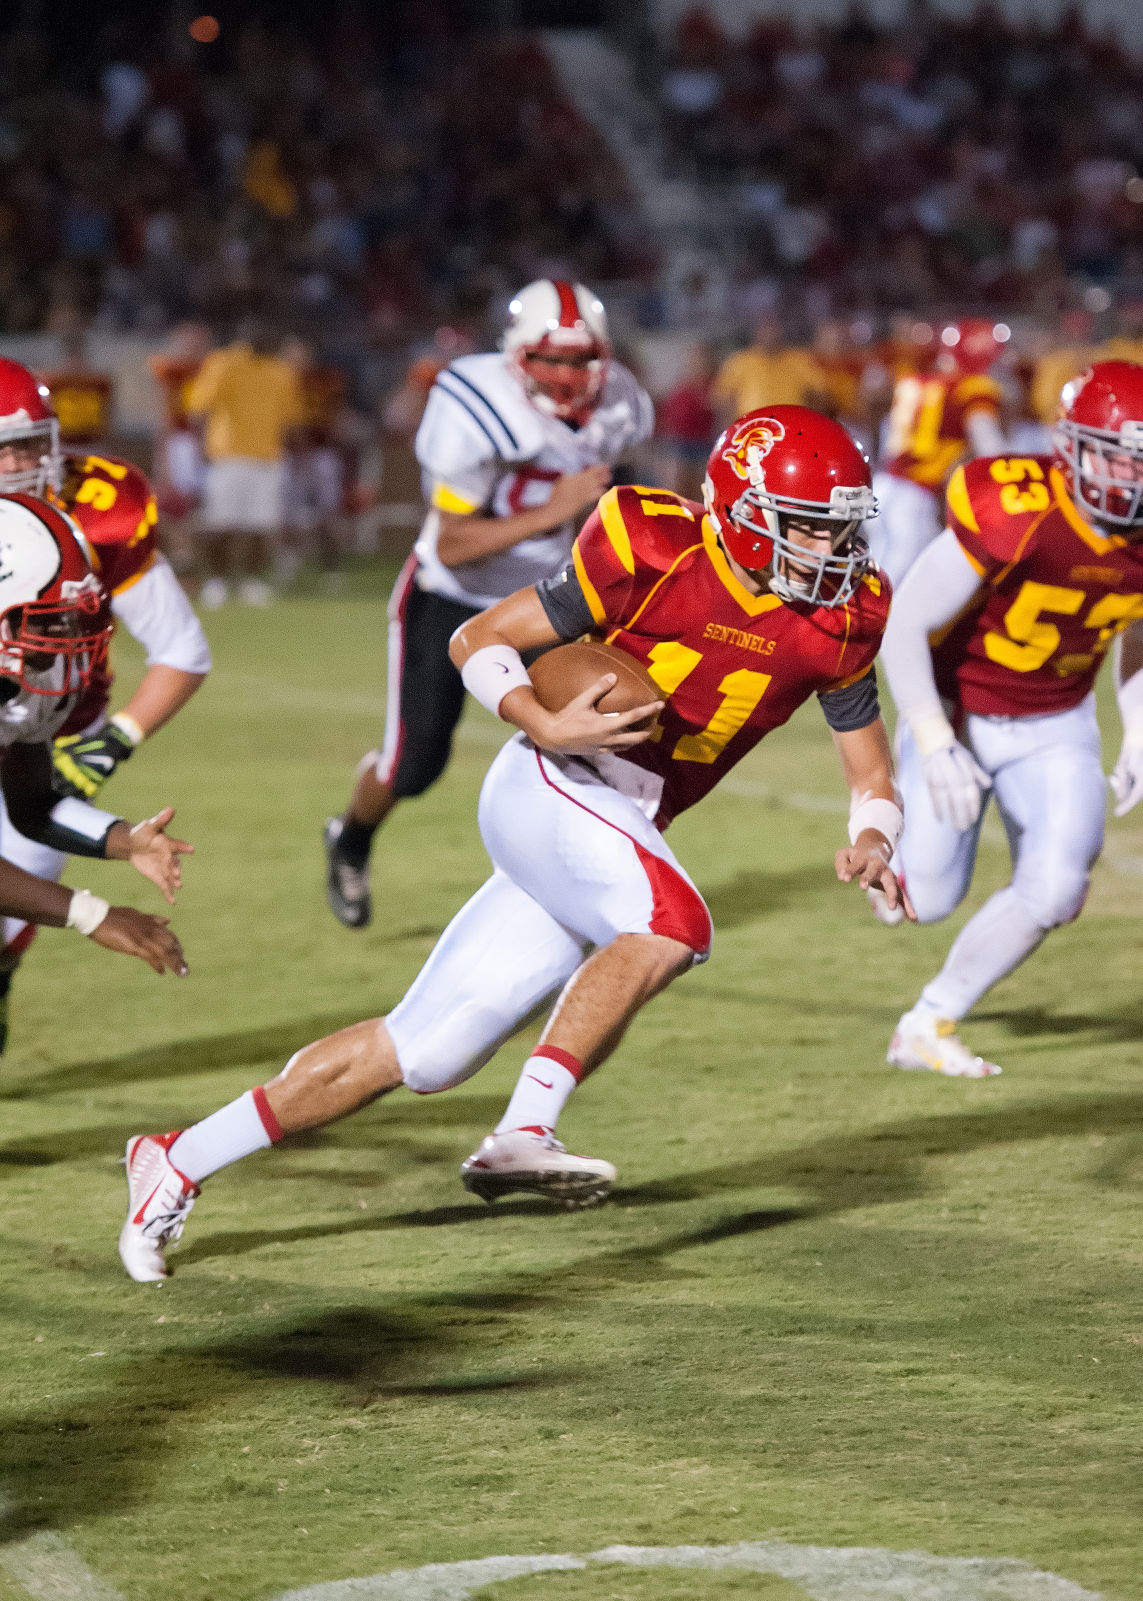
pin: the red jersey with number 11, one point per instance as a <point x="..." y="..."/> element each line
<point x="730" y="665"/>
<point x="1054" y="593"/>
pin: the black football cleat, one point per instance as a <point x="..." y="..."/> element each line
<point x="346" y="883"/>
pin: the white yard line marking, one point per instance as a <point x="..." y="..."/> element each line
<point x="826" y="1573"/>
<point x="49" y="1568"/>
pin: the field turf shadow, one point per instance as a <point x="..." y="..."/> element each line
<point x="104" y="1454"/>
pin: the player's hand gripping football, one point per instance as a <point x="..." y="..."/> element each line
<point x="156" y="855"/>
<point x="134" y="933"/>
<point x="868" y="862"/>
<point x="580" y="727"/>
<point x="82" y="763"/>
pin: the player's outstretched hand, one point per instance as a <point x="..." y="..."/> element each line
<point x="1126" y="780"/>
<point x="581" y="727"/>
<point x="133" y="933"/>
<point x="156" y="855"/>
<point x="868" y="862"/>
<point x="956" y="784"/>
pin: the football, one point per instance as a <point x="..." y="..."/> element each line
<point x="561" y="674"/>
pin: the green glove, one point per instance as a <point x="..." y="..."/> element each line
<point x="82" y="763"/>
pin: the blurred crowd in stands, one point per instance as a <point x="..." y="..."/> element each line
<point x="951" y="159"/>
<point x="373" y="189"/>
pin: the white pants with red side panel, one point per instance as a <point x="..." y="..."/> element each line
<point x="577" y="863"/>
<point x="909" y="517"/>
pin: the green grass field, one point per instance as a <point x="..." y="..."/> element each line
<point x="831" y="1304"/>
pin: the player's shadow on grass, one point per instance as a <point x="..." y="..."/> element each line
<point x="752" y="895"/>
<point x="103" y="1455"/>
<point x="1109" y="1028"/>
<point x="183" y="1058"/>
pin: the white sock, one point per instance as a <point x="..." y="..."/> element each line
<point x="1000" y="936"/>
<point x="235" y="1131"/>
<point x="546" y="1080"/>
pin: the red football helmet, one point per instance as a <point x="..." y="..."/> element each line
<point x="974" y="343"/>
<point x="30" y="458"/>
<point x="1099" y="437"/>
<point x="54" y="623"/>
<point x="790" y="465"/>
<point x="557" y="344"/>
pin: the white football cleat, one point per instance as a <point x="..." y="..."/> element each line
<point x="933" y="1045"/>
<point x="521" y="1160"/>
<point x="881" y="909"/>
<point x="158" y="1200"/>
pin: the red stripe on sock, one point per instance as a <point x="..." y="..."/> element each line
<point x="266" y="1113"/>
<point x="564" y="1058"/>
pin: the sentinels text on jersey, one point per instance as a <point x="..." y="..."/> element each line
<point x="1056" y="591"/>
<point x="731" y="665"/>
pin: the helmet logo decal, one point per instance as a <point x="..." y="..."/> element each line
<point x="749" y="444"/>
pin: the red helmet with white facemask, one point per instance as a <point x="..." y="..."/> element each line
<point x="973" y="344"/>
<point x="54" y="622"/>
<point x="29" y="433"/>
<point x="783" y="467"/>
<point x="1099" y="438"/>
<point x="557" y="344"/>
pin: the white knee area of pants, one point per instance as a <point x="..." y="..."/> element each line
<point x="499" y="958"/>
<point x="934" y="899"/>
<point x="1051" y="892"/>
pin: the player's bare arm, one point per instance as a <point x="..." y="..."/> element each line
<point x="81" y="830"/>
<point x="867" y="764"/>
<point x="520" y="624"/>
<point x="466" y="537"/>
<point x="117" y="928"/>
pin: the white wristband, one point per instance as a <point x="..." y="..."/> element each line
<point x="931" y="732"/>
<point x="86" y="911"/>
<point x="883" y="815"/>
<point x="491" y="672"/>
<point x="126" y="724"/>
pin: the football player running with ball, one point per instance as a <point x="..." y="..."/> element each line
<point x="740" y="612"/>
<point x="113" y="504"/>
<point x="1039" y="568"/>
<point x="514" y="447"/>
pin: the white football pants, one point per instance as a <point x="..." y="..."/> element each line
<point x="909" y="517"/>
<point x="39" y="859"/>
<point x="1047" y="779"/>
<point x="576" y="863"/>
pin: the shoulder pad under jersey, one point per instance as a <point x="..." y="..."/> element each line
<point x="110" y="499"/>
<point x="994" y="505"/>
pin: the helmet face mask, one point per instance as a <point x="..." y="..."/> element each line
<point x="795" y="523"/>
<point x="54" y="647"/>
<point x="1099" y="439"/>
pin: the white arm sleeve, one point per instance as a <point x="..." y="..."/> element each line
<point x="940" y="583"/>
<point x="156" y="612"/>
<point x="985" y="434"/>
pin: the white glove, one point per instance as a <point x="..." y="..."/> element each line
<point x="1127" y="779"/>
<point x="956" y="784"/>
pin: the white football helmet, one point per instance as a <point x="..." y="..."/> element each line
<point x="54" y="622"/>
<point x="557" y="343"/>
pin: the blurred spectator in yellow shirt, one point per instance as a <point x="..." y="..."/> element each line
<point x="767" y="373"/>
<point x="252" y="404"/>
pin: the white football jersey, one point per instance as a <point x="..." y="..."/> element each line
<point x="28" y="719"/>
<point x="484" y="448"/>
